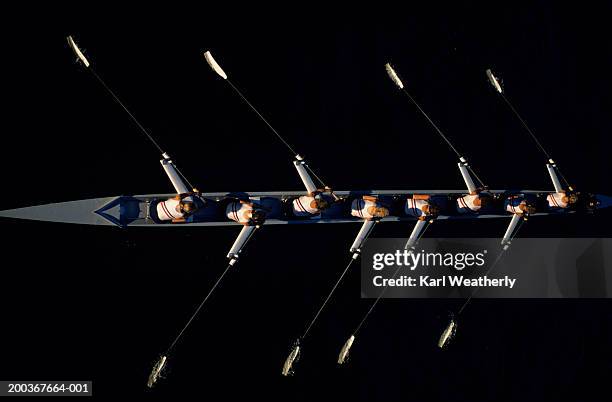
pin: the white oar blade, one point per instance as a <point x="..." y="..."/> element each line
<point x="344" y="353"/>
<point x="288" y="366"/>
<point x="448" y="334"/>
<point x="77" y="51"/>
<point x="493" y="80"/>
<point x="214" y="65"/>
<point x="393" y="75"/>
<point x="156" y="371"/>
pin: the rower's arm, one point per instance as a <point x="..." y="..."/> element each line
<point x="554" y="176"/>
<point x="179" y="184"/>
<point x="467" y="177"/>
<point x="306" y="179"/>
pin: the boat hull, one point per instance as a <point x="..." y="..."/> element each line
<point x="136" y="211"/>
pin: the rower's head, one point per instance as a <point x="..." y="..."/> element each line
<point x="321" y="203"/>
<point x="431" y="210"/>
<point x="571" y="198"/>
<point x="527" y="208"/>
<point x="379" y="211"/>
<point x="482" y="201"/>
<point x="188" y="207"/>
<point x="258" y="216"/>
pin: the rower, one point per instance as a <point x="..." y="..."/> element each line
<point x="420" y="207"/>
<point x="314" y="202"/>
<point x="518" y="204"/>
<point x="561" y="198"/>
<point x="178" y="208"/>
<point x="368" y="208"/>
<point x="309" y="205"/>
<point x="472" y="203"/>
<point x="245" y="212"/>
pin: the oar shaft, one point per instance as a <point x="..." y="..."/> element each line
<point x="524" y="123"/>
<point x="217" y="69"/>
<point x="398" y="82"/>
<point x="197" y="310"/>
<point x="532" y="135"/>
<point x="444" y="137"/>
<point x="116" y="98"/>
<point x="280" y="137"/>
<point x="491" y="267"/>
<point x="499" y="89"/>
<point x="434" y="125"/>
<point x="261" y="117"/>
<point x="327" y="299"/>
<point x="412" y="240"/>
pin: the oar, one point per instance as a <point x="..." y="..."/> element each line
<point x="398" y="82"/>
<point x="88" y="66"/>
<point x="451" y="329"/>
<point x="495" y="82"/>
<point x="217" y="69"/>
<point x="159" y="365"/>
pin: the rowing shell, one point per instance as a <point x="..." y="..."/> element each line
<point x="138" y="211"/>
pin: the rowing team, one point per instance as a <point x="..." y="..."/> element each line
<point x="179" y="208"/>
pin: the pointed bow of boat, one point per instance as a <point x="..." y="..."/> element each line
<point x="94" y="211"/>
